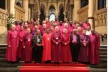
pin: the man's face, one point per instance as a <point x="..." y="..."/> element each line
<point x="48" y="30"/>
<point x="28" y="30"/>
<point x="38" y="32"/>
<point x="22" y="28"/>
<point x="84" y="32"/>
<point x="31" y="20"/>
<point x="26" y="25"/>
<point x="56" y="29"/>
<point x="88" y="28"/>
<point x="44" y="25"/>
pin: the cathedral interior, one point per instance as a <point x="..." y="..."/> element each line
<point x="94" y="11"/>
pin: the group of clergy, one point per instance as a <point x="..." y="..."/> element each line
<point x="56" y="42"/>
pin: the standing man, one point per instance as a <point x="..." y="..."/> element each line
<point x="28" y="46"/>
<point x="37" y="46"/>
<point x="94" y="49"/>
<point x="11" y="54"/>
<point x="84" y="49"/>
<point x="56" y="46"/>
<point x="75" y="45"/>
<point x="21" y="39"/>
<point x="66" y="53"/>
<point x="46" y="42"/>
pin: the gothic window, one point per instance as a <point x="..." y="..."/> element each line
<point x="84" y="3"/>
<point x="2" y="4"/>
<point x="101" y="4"/>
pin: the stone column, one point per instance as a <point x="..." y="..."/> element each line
<point x="90" y="13"/>
<point x="38" y="16"/>
<point x="25" y="6"/>
<point x="56" y="15"/>
<point x="12" y="7"/>
<point x="47" y="15"/>
<point x="32" y="9"/>
<point x="29" y="13"/>
<point x="75" y="10"/>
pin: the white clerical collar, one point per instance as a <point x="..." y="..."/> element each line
<point x="88" y="32"/>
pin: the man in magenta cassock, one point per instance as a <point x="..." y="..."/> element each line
<point x="28" y="46"/>
<point x="11" y="54"/>
<point x="20" y="46"/>
<point x="94" y="49"/>
<point x="84" y="48"/>
<point x="56" y="54"/>
<point x="66" y="53"/>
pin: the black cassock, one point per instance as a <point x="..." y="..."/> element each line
<point x="74" y="47"/>
<point x="37" y="50"/>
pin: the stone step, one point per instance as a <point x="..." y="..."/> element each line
<point x="98" y="70"/>
<point x="103" y="49"/>
<point x="103" y="46"/>
<point x="103" y="52"/>
<point x="103" y="60"/>
<point x="103" y="56"/>
<point x="3" y="52"/>
<point x="2" y="55"/>
<point x="3" y="45"/>
<point x="100" y="65"/>
<point x="9" y="69"/>
<point x="9" y="64"/>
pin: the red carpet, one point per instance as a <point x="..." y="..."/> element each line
<point x="53" y="68"/>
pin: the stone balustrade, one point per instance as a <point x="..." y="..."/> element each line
<point x="3" y="17"/>
<point x="3" y="20"/>
<point x="100" y="17"/>
<point x="19" y="13"/>
<point x="83" y="14"/>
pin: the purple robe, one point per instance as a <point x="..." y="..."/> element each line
<point x="28" y="47"/>
<point x="83" y="53"/>
<point x="94" y="49"/>
<point x="66" y="53"/>
<point x="56" y="54"/>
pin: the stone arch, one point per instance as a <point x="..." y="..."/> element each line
<point x="52" y="12"/>
<point x="52" y="5"/>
